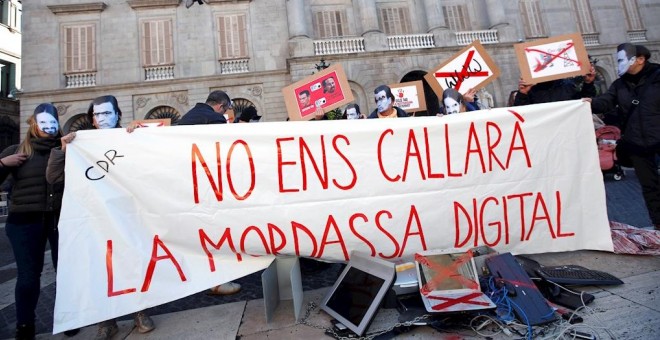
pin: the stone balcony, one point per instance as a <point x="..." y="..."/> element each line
<point x="161" y="72"/>
<point x="338" y="46"/>
<point x="637" y="36"/>
<point x="410" y="41"/>
<point x="80" y="79"/>
<point x="229" y="66"/>
<point x="590" y="39"/>
<point x="485" y="37"/>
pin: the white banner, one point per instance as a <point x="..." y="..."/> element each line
<point x="163" y="213"/>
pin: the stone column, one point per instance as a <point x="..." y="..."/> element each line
<point x="436" y="23"/>
<point x="498" y="20"/>
<point x="300" y="43"/>
<point x="295" y="11"/>
<point x="374" y="38"/>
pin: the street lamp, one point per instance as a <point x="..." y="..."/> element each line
<point x="14" y="93"/>
<point x="322" y="65"/>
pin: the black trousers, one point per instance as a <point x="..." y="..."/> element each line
<point x="646" y="168"/>
<point x="28" y="241"/>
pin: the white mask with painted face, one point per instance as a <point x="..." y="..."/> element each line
<point x="623" y="62"/>
<point x="47" y="123"/>
<point x="382" y="101"/>
<point x="451" y="106"/>
<point x="105" y="116"/>
<point x="352" y="114"/>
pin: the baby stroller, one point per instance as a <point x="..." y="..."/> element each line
<point x="606" y="137"/>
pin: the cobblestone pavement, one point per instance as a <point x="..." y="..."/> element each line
<point x="624" y="204"/>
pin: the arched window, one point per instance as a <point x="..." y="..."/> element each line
<point x="161" y="112"/>
<point x="76" y="123"/>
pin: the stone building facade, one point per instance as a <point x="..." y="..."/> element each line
<point x="160" y="57"/>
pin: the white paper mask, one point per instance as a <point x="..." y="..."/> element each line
<point x="352" y="114"/>
<point x="47" y="123"/>
<point x="623" y="62"/>
<point x="382" y="101"/>
<point x="105" y="116"/>
<point x="451" y="106"/>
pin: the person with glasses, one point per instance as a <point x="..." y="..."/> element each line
<point x="103" y="113"/>
<point x="210" y="112"/>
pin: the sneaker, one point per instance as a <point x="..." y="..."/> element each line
<point x="143" y="322"/>
<point x="107" y="329"/>
<point x="25" y="332"/>
<point x="226" y="289"/>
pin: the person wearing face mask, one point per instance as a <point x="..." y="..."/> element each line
<point x="103" y="113"/>
<point x="33" y="210"/>
<point x="454" y="102"/>
<point x="636" y="97"/>
<point x="210" y="112"/>
<point x="385" y="104"/>
<point x="352" y="111"/>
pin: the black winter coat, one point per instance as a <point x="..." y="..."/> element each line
<point x="554" y="91"/>
<point x="30" y="191"/>
<point x="202" y="114"/>
<point x="642" y="128"/>
<point x="399" y="113"/>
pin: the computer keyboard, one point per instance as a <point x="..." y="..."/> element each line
<point x="577" y="275"/>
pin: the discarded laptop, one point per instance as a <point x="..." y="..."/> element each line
<point x="529" y="305"/>
<point x="356" y="295"/>
<point x="448" y="282"/>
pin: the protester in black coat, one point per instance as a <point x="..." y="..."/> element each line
<point x="33" y="210"/>
<point x="210" y="112"/>
<point x="636" y="96"/>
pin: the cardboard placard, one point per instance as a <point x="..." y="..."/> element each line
<point x="304" y="96"/>
<point x="152" y="122"/>
<point x="552" y="58"/>
<point x="472" y="67"/>
<point x="409" y="96"/>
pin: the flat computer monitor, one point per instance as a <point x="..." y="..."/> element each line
<point x="356" y="295"/>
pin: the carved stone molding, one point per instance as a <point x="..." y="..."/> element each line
<point x="257" y="90"/>
<point x="78" y="8"/>
<point x="141" y="102"/>
<point x="62" y="109"/>
<point x="136" y="4"/>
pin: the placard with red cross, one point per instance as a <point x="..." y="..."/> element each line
<point x="472" y="67"/>
<point x="553" y="58"/>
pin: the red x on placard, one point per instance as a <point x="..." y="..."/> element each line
<point x="467" y="299"/>
<point x="444" y="273"/>
<point x="464" y="74"/>
<point x="542" y="65"/>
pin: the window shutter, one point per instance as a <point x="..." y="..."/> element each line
<point x="331" y="24"/>
<point x="232" y="36"/>
<point x="80" y="48"/>
<point x="395" y="21"/>
<point x="456" y="17"/>
<point x="157" y="42"/>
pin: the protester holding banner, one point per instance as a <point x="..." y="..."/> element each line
<point x="103" y="113"/>
<point x="636" y="96"/>
<point x="352" y="111"/>
<point x="555" y="90"/>
<point x="212" y="111"/>
<point x="33" y="212"/>
<point x="385" y="104"/>
<point x="454" y="102"/>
